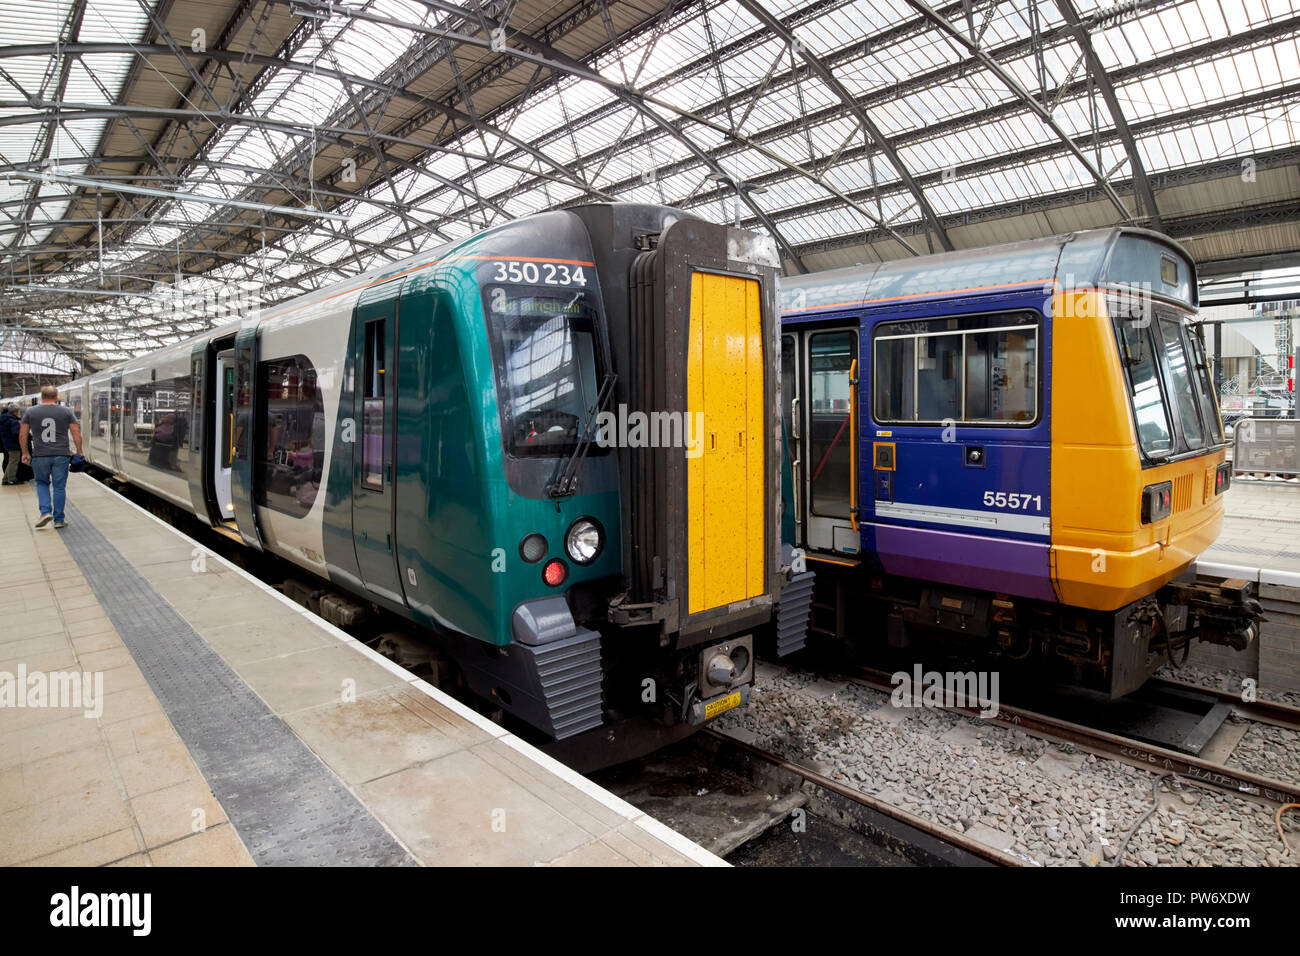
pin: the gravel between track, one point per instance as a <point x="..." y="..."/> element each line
<point x="1001" y="785"/>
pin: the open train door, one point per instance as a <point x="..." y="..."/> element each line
<point x="819" y="372"/>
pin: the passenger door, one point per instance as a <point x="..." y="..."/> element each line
<point x="223" y="433"/>
<point x="248" y="408"/>
<point x="115" y="401"/>
<point x="821" y="430"/>
<point x="373" y="532"/>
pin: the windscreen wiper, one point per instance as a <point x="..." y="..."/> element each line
<point x="567" y="483"/>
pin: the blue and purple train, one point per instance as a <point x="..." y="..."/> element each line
<point x="1014" y="449"/>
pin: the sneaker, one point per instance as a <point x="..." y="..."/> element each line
<point x="60" y="525"/>
<point x="43" y="520"/>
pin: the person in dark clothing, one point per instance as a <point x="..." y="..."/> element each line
<point x="10" y="425"/>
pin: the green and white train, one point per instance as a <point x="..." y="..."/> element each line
<point x="425" y="438"/>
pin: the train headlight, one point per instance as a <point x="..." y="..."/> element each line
<point x="584" y="540"/>
<point x="1157" y="501"/>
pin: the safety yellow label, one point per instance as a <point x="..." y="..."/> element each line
<point x="721" y="705"/>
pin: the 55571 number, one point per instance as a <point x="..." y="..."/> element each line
<point x="1012" y="500"/>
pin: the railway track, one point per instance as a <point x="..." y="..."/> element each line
<point x="888" y="822"/>
<point x="1261" y="711"/>
<point x="1134" y="752"/>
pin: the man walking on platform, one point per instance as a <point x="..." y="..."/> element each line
<point x="49" y="425"/>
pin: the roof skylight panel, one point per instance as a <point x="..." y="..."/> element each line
<point x="794" y="192"/>
<point x="1243" y="64"/>
<point x="1204" y="21"/>
<point x="1191" y="79"/>
<point x="368" y="48"/>
<point x="1267" y="67"/>
<point x="1169" y="29"/>
<point x="1173" y="144"/>
<point x="689" y="92"/>
<point x="792" y="147"/>
<point x="1007" y="25"/>
<point x="612" y="125"/>
<point x="1152" y="153"/>
<point x="1147" y="97"/>
<point x="850" y="176"/>
<point x="704" y="137"/>
<point x="673" y="50"/>
<point x="1288" y="57"/>
<point x="817" y="95"/>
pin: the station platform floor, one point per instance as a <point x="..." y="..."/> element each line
<point x="1261" y="526"/>
<point x="165" y="708"/>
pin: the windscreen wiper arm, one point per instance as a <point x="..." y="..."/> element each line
<point x="567" y="483"/>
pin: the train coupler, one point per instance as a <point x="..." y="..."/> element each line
<point x="1219" y="610"/>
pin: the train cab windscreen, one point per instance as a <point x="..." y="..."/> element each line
<point x="544" y="349"/>
<point x="1172" y="397"/>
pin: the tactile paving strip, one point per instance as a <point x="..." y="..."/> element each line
<point x="287" y="806"/>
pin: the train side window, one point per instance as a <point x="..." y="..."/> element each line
<point x="788" y="360"/>
<point x="1001" y="376"/>
<point x="895" y="379"/>
<point x="156" y="423"/>
<point x="372" y="407"/>
<point x="228" y="417"/>
<point x="938" y="378"/>
<point x="970" y="369"/>
<point x="293" y="455"/>
<point x="99" y="411"/>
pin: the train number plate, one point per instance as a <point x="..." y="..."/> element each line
<point x="721" y="705"/>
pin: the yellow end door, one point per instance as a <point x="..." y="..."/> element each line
<point x="726" y="470"/>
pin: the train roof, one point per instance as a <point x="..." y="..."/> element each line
<point x="355" y="283"/>
<point x="1096" y="257"/>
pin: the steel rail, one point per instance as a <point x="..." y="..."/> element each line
<point x="1260" y="711"/>
<point x="915" y="821"/>
<point x="1102" y="743"/>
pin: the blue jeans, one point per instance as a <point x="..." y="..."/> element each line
<point x="51" y="470"/>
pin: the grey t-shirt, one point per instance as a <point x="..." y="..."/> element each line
<point x="48" y="425"/>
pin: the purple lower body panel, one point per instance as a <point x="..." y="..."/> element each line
<point x="966" y="560"/>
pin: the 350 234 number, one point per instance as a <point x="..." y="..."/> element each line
<point x="1012" y="500"/>
<point x="539" y="273"/>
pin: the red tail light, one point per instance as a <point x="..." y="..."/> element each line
<point x="1222" y="478"/>
<point x="555" y="573"/>
<point x="1157" y="502"/>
